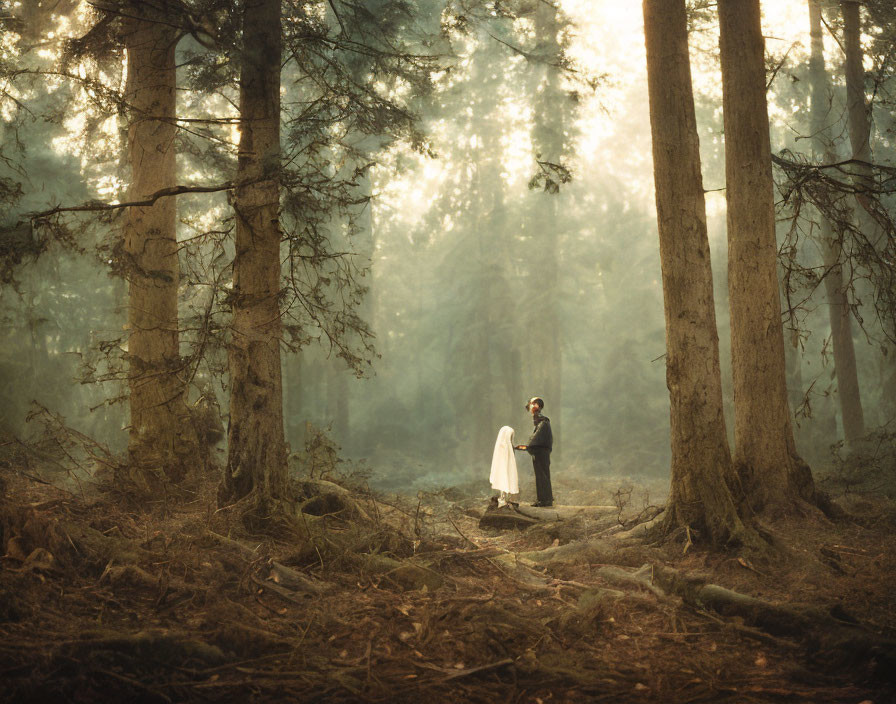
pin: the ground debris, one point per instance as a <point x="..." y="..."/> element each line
<point x="376" y="599"/>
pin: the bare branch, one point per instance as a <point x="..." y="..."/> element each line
<point x="97" y="206"/>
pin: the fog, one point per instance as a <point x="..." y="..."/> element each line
<point x="508" y="250"/>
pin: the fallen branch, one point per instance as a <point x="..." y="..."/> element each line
<point x="514" y="568"/>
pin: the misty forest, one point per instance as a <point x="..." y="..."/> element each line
<point x="448" y="350"/>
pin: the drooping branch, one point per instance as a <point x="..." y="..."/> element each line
<point x="887" y="180"/>
<point x="832" y="191"/>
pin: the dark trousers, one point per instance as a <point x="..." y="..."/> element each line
<point x="541" y="462"/>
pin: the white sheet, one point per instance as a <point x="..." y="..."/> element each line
<point x="504" y="475"/>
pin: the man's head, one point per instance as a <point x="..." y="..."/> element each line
<point x="535" y="405"/>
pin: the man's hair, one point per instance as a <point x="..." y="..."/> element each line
<point x="536" y="401"/>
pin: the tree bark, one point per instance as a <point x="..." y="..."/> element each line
<point x="859" y="122"/>
<point x="256" y="461"/>
<point x="704" y="484"/>
<point x="838" y="305"/>
<point x="160" y="437"/>
<point x="772" y="473"/>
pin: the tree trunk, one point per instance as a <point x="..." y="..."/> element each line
<point x="337" y="399"/>
<point x="859" y="117"/>
<point x="160" y="436"/>
<point x="547" y="137"/>
<point x="859" y="122"/>
<point x="703" y="478"/>
<point x="505" y="379"/>
<point x="765" y="455"/>
<point x="481" y="398"/>
<point x="838" y="305"/>
<point x="256" y="459"/>
<point x="294" y="371"/>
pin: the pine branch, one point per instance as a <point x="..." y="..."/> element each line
<point x="100" y="206"/>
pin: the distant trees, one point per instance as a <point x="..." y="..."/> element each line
<point x="479" y="255"/>
<point x="850" y="191"/>
<point x="835" y="287"/>
<point x="859" y="122"/>
<point x="494" y="294"/>
<point x="550" y="120"/>
<point x="869" y="223"/>
<point x="481" y="283"/>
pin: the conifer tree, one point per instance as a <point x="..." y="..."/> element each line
<point x="256" y="461"/>
<point x="705" y="496"/>
<point x="772" y="473"/>
<point x="160" y="435"/>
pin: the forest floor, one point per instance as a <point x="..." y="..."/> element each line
<point x="376" y="598"/>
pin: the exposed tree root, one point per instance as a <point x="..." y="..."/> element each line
<point x="279" y="574"/>
<point x="405" y="573"/>
<point x="71" y="542"/>
<point x="639" y="530"/>
<point x="156" y="645"/>
<point x="833" y="635"/>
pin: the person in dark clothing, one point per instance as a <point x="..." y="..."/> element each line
<point x="539" y="446"/>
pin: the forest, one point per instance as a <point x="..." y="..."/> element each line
<point x="275" y="275"/>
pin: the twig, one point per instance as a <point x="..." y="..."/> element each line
<point x="376" y="509"/>
<point x="134" y="683"/>
<point x="481" y="668"/>
<point x="474" y="599"/>
<point x="279" y="591"/>
<point x="753" y="633"/>
<point x="778" y="67"/>
<point x="338" y="18"/>
<point x="459" y="531"/>
<point x="833" y="34"/>
<point x="122" y="678"/>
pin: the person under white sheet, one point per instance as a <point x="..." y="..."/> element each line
<point x="504" y="476"/>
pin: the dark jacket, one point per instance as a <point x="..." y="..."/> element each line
<point x="542" y="438"/>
